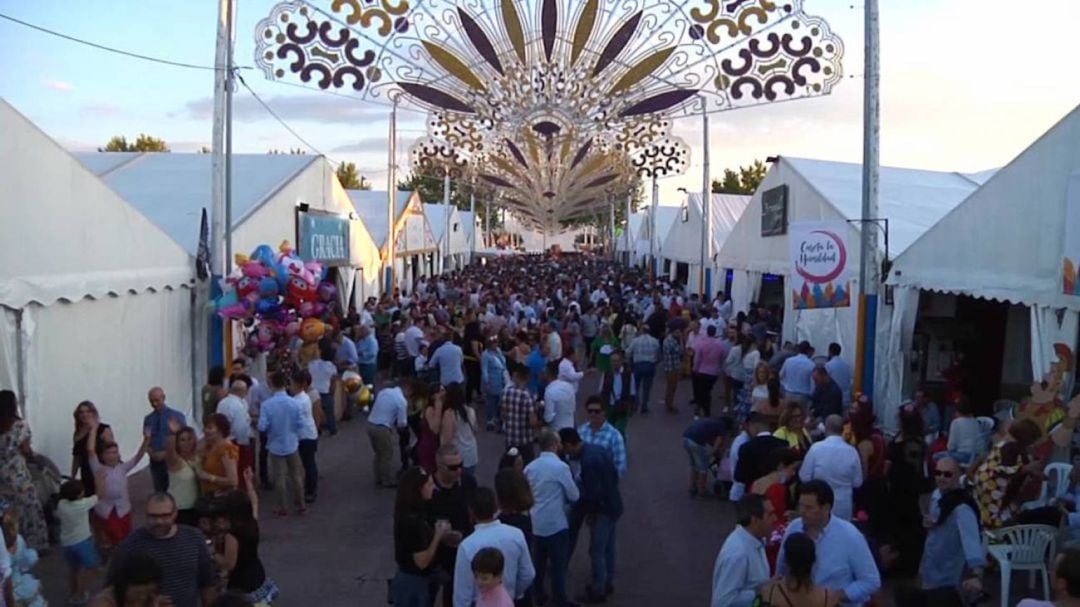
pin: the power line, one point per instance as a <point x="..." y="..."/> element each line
<point x="111" y="49"/>
<point x="271" y="111"/>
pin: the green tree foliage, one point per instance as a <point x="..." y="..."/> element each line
<point x="745" y="180"/>
<point x="144" y="143"/>
<point x="350" y="178"/>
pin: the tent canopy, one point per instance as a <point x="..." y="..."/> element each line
<point x="173" y="189"/>
<point x="683" y="241"/>
<point x="634" y="227"/>
<point x="70" y="248"/>
<point x="1007" y="240"/>
<point x="468" y="226"/>
<point x="436" y="216"/>
<point x="371" y="207"/>
<point x="913" y="200"/>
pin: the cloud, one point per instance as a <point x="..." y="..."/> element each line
<point x="310" y="108"/>
<point x="363" y="145"/>
<point x="58" y="85"/>
<point x="101" y="109"/>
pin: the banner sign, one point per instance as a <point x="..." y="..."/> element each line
<point x="1071" y="261"/>
<point x="324" y="238"/>
<point x="819" y="262"/>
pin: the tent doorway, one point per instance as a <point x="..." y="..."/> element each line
<point x="971" y="346"/>
<point x="682" y="273"/>
<point x="772" y="291"/>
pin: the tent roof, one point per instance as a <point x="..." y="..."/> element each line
<point x="665" y="218"/>
<point x="683" y="241"/>
<point x="635" y="222"/>
<point x="76" y="237"/>
<point x="912" y="199"/>
<point x="1007" y="240"/>
<point x="172" y="189"/>
<point x="371" y="207"/>
<point x="468" y="224"/>
<point x="436" y="217"/>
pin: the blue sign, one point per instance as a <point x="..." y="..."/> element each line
<point x="324" y="238"/>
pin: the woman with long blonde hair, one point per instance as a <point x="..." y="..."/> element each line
<point x="85" y="414"/>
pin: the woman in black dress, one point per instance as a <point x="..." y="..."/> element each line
<point x="84" y="415"/>
<point x="240" y="552"/>
<point x="415" y="541"/>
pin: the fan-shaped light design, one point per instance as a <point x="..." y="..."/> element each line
<point x="528" y="94"/>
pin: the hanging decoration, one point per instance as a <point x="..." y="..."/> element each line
<point x="558" y="104"/>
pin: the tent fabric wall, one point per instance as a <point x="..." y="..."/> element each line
<point x="1048" y="327"/>
<point x="9" y="350"/>
<point x="745" y="288"/>
<point x="109" y="351"/>
<point x="894" y="346"/>
<point x="1024" y="205"/>
<point x="682" y="242"/>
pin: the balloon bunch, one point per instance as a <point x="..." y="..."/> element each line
<point x="279" y="297"/>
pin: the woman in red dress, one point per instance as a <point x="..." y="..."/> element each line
<point x="775" y="487"/>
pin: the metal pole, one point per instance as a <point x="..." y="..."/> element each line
<point x="446" y="228"/>
<point x="487" y="224"/>
<point x="611" y="230"/>
<point x="706" y="209"/>
<point x="472" y="230"/>
<point x="219" y="261"/>
<point x="230" y="84"/>
<point x="629" y="245"/>
<point x="391" y="189"/>
<point x="655" y="264"/>
<point x="868" y="254"/>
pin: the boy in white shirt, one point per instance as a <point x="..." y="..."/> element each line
<point x="75" y="538"/>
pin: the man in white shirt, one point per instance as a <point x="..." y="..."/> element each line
<point x="553" y="488"/>
<point x="741" y="567"/>
<point x="449" y="359"/>
<point x="724" y="307"/>
<point x="568" y="370"/>
<point x="518" y="572"/>
<point x="560" y="399"/>
<point x="796" y="375"/>
<point x="738" y="490"/>
<point x="413" y="336"/>
<point x="552" y="344"/>
<point x="837" y="463"/>
<point x="235" y="408"/>
<point x="389" y="413"/>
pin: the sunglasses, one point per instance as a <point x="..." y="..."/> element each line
<point x="455" y="467"/>
<point x="945" y="473"/>
<point x="594" y="411"/>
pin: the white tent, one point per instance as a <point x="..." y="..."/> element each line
<point x="96" y="304"/>
<point x="440" y="220"/>
<point x="682" y="243"/>
<point x="173" y="190"/>
<point x="469" y="220"/>
<point x="913" y="201"/>
<point x="414" y="241"/>
<point x="1005" y="243"/>
<point x="626" y="245"/>
<point x="666" y="216"/>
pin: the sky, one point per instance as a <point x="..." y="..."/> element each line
<point x="966" y="86"/>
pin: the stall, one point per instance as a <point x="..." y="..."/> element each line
<point x="447" y="224"/>
<point x="985" y="294"/>
<point x="96" y="301"/>
<point x="682" y="244"/>
<point x="414" y="243"/>
<point x="801" y="202"/>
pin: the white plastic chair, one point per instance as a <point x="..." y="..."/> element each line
<point x="1057" y="475"/>
<point x="1022" y="548"/>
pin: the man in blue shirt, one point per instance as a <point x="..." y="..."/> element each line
<point x="536" y="363"/>
<point x="367" y="352"/>
<point x="553" y="488"/>
<point x="280" y="420"/>
<point x="741" y="567"/>
<point x="844" y="561"/>
<point x="157" y="424"/>
<point x="600" y="505"/>
<point x="953" y="540"/>
<point x="449" y="359"/>
<point x="518" y="571"/>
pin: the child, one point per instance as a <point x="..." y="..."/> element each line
<point x="79" y="550"/>
<point x="25" y="587"/>
<point x="113" y="511"/>
<point x="487" y="568"/>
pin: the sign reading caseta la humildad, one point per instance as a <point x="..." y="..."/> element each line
<point x="819" y="261"/>
<point x="324" y="238"/>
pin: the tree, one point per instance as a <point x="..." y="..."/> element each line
<point x="743" y="181"/>
<point x="350" y="179"/>
<point x="144" y="143"/>
<point x="430" y="188"/>
<point x="204" y="150"/>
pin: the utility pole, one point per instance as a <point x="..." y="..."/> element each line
<point x="446" y="228"/>
<point x="868" y="253"/>
<point x="706" y="209"/>
<point x="653" y="261"/>
<point x="391" y="190"/>
<point x="472" y="230"/>
<point x="220" y="255"/>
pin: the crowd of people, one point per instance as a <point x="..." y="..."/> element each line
<point x="827" y="505"/>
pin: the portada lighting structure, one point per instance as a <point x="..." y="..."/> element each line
<point x="558" y="105"/>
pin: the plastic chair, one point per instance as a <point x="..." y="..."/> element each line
<point x="1057" y="474"/>
<point x="1022" y="548"/>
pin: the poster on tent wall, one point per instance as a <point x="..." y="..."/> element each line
<point x="1071" y="260"/>
<point x="820" y="275"/>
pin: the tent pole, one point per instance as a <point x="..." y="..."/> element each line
<point x="391" y="189"/>
<point x="472" y="213"/>
<point x="629" y="245"/>
<point x="446" y="227"/>
<point x="219" y="262"/>
<point x="653" y="261"/>
<point x="868" y="254"/>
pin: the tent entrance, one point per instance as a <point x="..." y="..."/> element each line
<point x="682" y="273"/>
<point x="772" y="291"/>
<point x="971" y="346"/>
